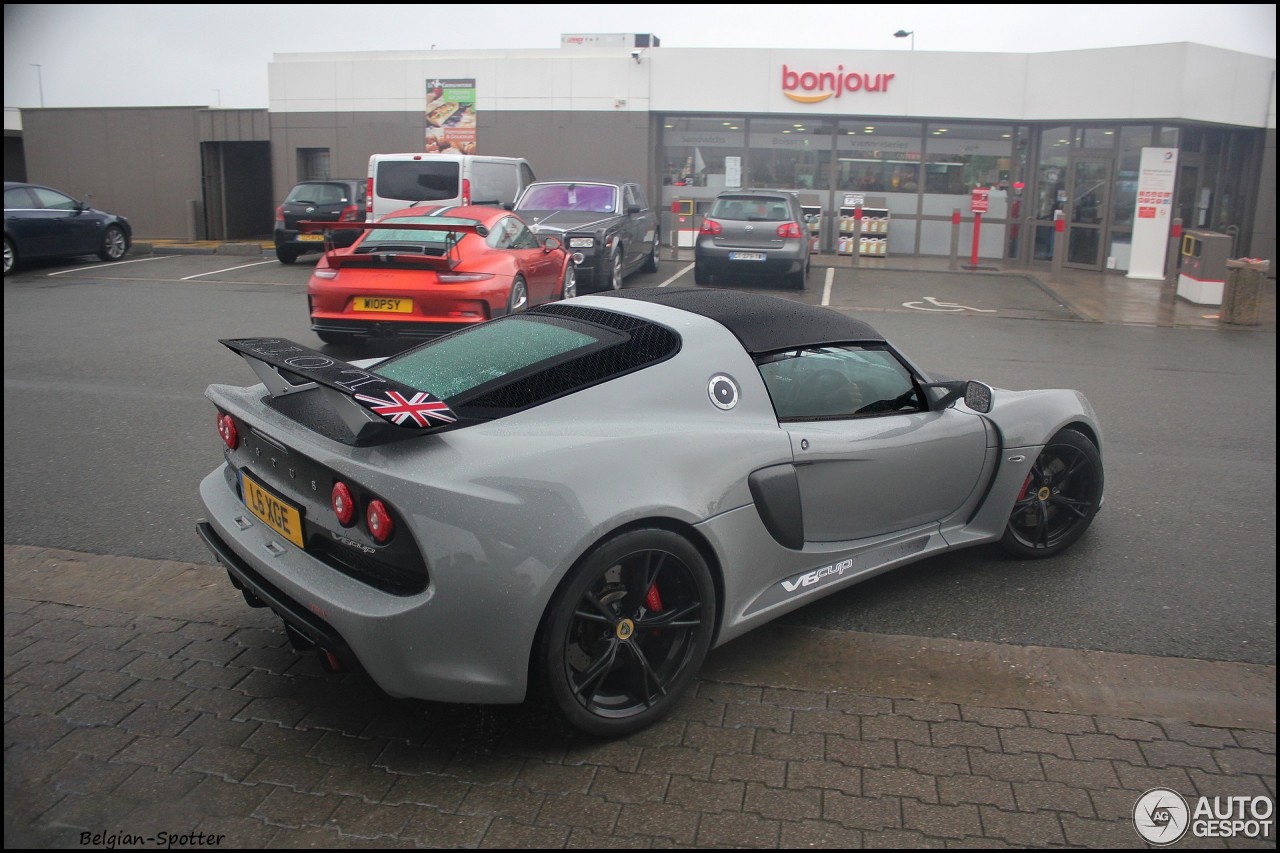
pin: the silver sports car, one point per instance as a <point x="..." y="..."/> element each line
<point x="583" y="499"/>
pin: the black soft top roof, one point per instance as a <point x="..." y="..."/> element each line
<point x="762" y="323"/>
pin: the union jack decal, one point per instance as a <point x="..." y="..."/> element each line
<point x="422" y="408"/>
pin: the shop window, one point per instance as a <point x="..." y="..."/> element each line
<point x="1096" y="138"/>
<point x="961" y="157"/>
<point x="790" y="154"/>
<point x="879" y="157"/>
<point x="703" y="152"/>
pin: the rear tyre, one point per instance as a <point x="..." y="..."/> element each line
<point x="518" y="300"/>
<point x="796" y="280"/>
<point x="1059" y="500"/>
<point x="700" y="276"/>
<point x="114" y="244"/>
<point x="286" y="256"/>
<point x="627" y="632"/>
<point x="651" y="262"/>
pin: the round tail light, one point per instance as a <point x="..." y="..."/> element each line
<point x="227" y="429"/>
<point x="379" y="520"/>
<point x="344" y="507"/>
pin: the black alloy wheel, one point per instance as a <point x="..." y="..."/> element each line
<point x="1059" y="498"/>
<point x="628" y="631"/>
<point x="10" y="256"/>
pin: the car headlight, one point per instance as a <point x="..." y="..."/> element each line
<point x="582" y="242"/>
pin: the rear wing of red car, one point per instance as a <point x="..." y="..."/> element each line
<point x="367" y="403"/>
<point x="407" y="252"/>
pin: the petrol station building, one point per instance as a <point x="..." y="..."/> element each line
<point x="907" y="135"/>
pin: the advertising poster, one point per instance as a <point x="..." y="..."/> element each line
<point x="1153" y="212"/>
<point x="451" y="116"/>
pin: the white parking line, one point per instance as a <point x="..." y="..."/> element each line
<point x="676" y="276"/>
<point x="826" y="288"/>
<point x="116" y="264"/>
<point x="228" y="269"/>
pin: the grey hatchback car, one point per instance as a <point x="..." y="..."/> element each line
<point x="328" y="200"/>
<point x="753" y="233"/>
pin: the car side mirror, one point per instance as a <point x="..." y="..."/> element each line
<point x="506" y="205"/>
<point x="550" y="244"/>
<point x="976" y="395"/>
<point x="635" y="208"/>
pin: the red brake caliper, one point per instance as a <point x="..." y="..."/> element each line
<point x="652" y="600"/>
<point x="1022" y="494"/>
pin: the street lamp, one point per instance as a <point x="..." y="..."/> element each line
<point x="901" y="34"/>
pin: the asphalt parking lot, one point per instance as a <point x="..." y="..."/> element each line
<point x="145" y="703"/>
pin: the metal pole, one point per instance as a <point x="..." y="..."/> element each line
<point x="1173" y="253"/>
<point x="1059" y="243"/>
<point x="954" y="263"/>
<point x="855" y="245"/>
<point x="40" y="79"/>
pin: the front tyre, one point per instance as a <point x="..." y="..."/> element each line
<point x="627" y="632"/>
<point x="286" y="256"/>
<point x="1059" y="499"/>
<point x="114" y="244"/>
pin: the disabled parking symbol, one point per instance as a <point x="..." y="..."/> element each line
<point x="947" y="307"/>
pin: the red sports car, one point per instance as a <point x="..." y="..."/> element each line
<point x="425" y="272"/>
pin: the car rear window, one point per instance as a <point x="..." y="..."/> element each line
<point x="520" y="361"/>
<point x="318" y="193"/>
<point x="417" y="180"/>
<point x="751" y="209"/>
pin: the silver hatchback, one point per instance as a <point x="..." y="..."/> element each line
<point x="753" y="233"/>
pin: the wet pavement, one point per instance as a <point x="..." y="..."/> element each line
<point x="145" y="706"/>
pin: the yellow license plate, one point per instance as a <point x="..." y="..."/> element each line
<point x="280" y="516"/>
<point x="384" y="304"/>
<point x="310" y="238"/>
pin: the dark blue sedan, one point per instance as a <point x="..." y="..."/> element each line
<point x="40" y="222"/>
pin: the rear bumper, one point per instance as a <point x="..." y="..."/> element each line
<point x="717" y="260"/>
<point x="287" y="238"/>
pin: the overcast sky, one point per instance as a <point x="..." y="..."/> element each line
<point x="182" y="55"/>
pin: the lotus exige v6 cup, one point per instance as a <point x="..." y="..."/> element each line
<point x="587" y="497"/>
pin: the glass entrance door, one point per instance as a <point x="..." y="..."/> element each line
<point x="1089" y="201"/>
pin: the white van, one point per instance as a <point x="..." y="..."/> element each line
<point x="397" y="181"/>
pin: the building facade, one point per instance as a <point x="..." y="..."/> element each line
<point x="907" y="135"/>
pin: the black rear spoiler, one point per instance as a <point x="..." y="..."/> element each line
<point x="448" y="260"/>
<point x="368" y="404"/>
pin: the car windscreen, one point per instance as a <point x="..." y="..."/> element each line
<point x="418" y="180"/>
<point x="751" y="209"/>
<point x="595" y="198"/>
<point x="488" y="354"/>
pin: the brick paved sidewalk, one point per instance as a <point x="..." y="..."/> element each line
<point x="143" y="698"/>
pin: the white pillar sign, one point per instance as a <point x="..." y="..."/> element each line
<point x="1153" y="213"/>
